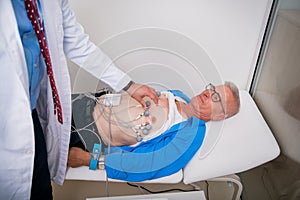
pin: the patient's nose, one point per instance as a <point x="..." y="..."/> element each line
<point x="207" y="94"/>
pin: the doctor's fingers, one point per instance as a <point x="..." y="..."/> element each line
<point x="149" y="92"/>
<point x="139" y="91"/>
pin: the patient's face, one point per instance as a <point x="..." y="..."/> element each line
<point x="206" y="108"/>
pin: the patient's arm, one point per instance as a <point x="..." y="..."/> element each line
<point x="78" y="157"/>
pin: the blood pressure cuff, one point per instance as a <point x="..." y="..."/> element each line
<point x="158" y="157"/>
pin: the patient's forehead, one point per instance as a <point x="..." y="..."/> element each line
<point x="221" y="89"/>
<point x="225" y="93"/>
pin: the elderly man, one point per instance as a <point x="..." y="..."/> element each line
<point x="140" y="129"/>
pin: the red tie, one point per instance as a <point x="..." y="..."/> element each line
<point x="34" y="16"/>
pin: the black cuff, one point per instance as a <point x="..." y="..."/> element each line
<point x="128" y="85"/>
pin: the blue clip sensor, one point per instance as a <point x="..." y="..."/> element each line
<point x="95" y="156"/>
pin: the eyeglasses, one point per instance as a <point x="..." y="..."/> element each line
<point x="215" y="96"/>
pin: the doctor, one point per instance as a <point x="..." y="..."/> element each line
<point x="35" y="92"/>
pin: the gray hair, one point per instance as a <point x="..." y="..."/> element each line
<point x="234" y="107"/>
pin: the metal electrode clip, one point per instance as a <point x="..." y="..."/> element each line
<point x="101" y="162"/>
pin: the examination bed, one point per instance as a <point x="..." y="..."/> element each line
<point x="237" y="144"/>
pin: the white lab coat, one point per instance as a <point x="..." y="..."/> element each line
<point x="65" y="38"/>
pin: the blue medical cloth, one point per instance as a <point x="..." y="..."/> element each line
<point x="158" y="157"/>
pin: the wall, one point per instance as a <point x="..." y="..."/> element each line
<point x="193" y="41"/>
<point x="290" y="4"/>
<point x="278" y="89"/>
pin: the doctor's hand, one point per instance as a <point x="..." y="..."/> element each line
<point x="78" y="157"/>
<point x="139" y="91"/>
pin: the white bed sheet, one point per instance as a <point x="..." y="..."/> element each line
<point x="83" y="173"/>
<point x="230" y="146"/>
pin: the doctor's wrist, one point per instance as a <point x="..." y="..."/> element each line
<point x="128" y="85"/>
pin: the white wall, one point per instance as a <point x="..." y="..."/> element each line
<point x="195" y="41"/>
